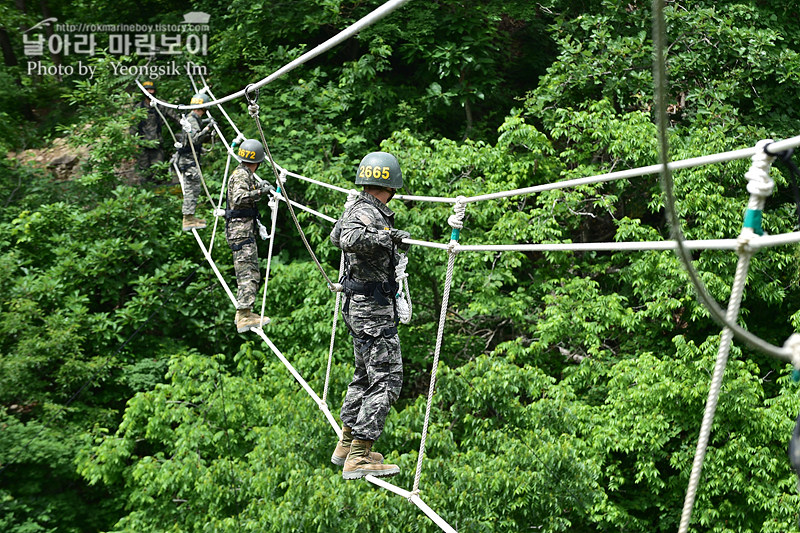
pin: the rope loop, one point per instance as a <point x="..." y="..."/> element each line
<point x="413" y="494"/>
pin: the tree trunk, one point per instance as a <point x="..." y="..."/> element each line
<point x="9" y="57"/>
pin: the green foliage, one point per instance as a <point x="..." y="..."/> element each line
<point x="571" y="384"/>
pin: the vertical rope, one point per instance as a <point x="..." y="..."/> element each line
<point x="218" y="212"/>
<point x="716" y="385"/>
<point x="456" y="221"/>
<point x="333" y="333"/>
<point x="759" y="185"/>
<point x="448" y="280"/>
<point x="273" y="204"/>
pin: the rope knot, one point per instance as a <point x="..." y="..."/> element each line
<point x="185" y="124"/>
<point x="456" y="220"/>
<point x="743" y="240"/>
<point x="453" y="247"/>
<point x="413" y="494"/>
<point x="759" y="182"/>
<point x="253" y="110"/>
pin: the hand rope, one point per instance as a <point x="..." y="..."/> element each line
<point x="219" y="212"/>
<point x="448" y="281"/>
<point x="333" y="333"/>
<point x="253" y="109"/>
<point x="273" y="205"/>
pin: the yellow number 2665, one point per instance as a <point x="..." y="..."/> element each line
<point x="375" y="172"/>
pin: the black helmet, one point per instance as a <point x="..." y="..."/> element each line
<point x="381" y="169"/>
<point x="250" y="151"/>
<point x="149" y="84"/>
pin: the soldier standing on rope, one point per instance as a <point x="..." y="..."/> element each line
<point x="240" y="230"/>
<point x="366" y="234"/>
<point x="188" y="159"/>
<point x="149" y="129"/>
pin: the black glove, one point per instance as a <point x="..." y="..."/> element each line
<point x="397" y="236"/>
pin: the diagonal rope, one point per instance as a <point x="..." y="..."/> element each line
<point x="253" y="108"/>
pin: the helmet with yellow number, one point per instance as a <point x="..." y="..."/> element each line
<point x="199" y="98"/>
<point x="250" y="151"/>
<point x="380" y="169"/>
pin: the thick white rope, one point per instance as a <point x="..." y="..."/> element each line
<point x="456" y="221"/>
<point x="448" y="280"/>
<point x="757" y="242"/>
<point x="273" y="207"/>
<point x="716" y="382"/>
<point x="219" y="212"/>
<point x="336" y="307"/>
<point x="403" y="297"/>
<point x="340" y="37"/>
<point x="759" y="185"/>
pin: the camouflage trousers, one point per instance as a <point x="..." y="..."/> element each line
<point x="378" y="375"/>
<point x="192" y="188"/>
<point x="146" y="159"/>
<point x="245" y="264"/>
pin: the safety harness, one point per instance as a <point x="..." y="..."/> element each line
<point x="247" y="212"/>
<point x="382" y="292"/>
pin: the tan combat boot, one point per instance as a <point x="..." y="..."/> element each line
<point x="191" y="222"/>
<point x="359" y="463"/>
<point x="247" y="320"/>
<point x="343" y="448"/>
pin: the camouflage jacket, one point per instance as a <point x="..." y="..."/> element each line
<point x="197" y="138"/>
<point x="150" y="127"/>
<point x="363" y="234"/>
<point x="243" y="193"/>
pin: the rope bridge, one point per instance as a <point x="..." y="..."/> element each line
<point x="750" y="240"/>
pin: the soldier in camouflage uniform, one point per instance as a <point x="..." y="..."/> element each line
<point x="150" y="130"/>
<point x="240" y="231"/>
<point x="366" y="234"/>
<point x="192" y="186"/>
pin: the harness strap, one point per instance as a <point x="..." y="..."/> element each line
<point x="239" y="245"/>
<point x="249" y="212"/>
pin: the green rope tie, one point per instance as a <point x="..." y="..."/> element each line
<point x="795" y="375"/>
<point x="278" y="189"/>
<point x="752" y="220"/>
<point x="455" y="234"/>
